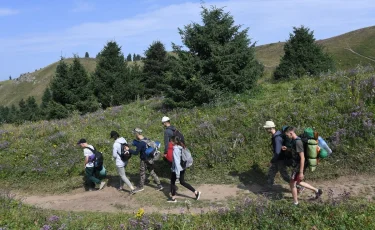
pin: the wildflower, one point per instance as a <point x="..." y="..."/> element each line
<point x="122" y="226"/>
<point x="46" y="227"/>
<point x="54" y="218"/>
<point x="140" y="213"/>
<point x="165" y="217"/>
<point x="133" y="223"/>
<point x="63" y="226"/>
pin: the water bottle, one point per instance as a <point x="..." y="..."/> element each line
<point x="323" y="144"/>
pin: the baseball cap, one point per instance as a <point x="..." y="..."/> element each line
<point x="137" y="130"/>
<point x="81" y="141"/>
<point x="165" y="119"/>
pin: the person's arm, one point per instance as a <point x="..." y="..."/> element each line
<point x="137" y="150"/>
<point x="177" y="161"/>
<point x="86" y="161"/>
<point x="302" y="164"/>
<point x="277" y="148"/>
<point x="114" y="150"/>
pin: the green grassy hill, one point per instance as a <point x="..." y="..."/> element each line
<point x="12" y="91"/>
<point x="360" y="41"/>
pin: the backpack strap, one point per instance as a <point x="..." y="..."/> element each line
<point x="92" y="150"/>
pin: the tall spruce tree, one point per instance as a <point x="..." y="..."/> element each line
<point x="32" y="110"/>
<point x="129" y="57"/>
<point x="303" y="56"/>
<point x="220" y="59"/>
<point x="111" y="77"/>
<point x="156" y="64"/>
<point x="87" y="55"/>
<point x="60" y="83"/>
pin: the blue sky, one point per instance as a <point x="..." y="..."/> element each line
<point x="35" y="33"/>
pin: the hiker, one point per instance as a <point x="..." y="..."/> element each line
<point x="91" y="179"/>
<point x="177" y="171"/>
<point x="168" y="133"/>
<point x="146" y="162"/>
<point x="277" y="161"/>
<point x="300" y="164"/>
<point x="120" y="164"/>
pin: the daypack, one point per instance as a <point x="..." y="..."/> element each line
<point x="152" y="148"/>
<point x="186" y="158"/>
<point x="96" y="158"/>
<point x="177" y="133"/>
<point x="124" y="155"/>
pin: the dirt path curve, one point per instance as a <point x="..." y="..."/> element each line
<point x="111" y="200"/>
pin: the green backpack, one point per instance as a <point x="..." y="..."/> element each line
<point x="311" y="148"/>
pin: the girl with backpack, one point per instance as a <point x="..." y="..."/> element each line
<point x="178" y="172"/>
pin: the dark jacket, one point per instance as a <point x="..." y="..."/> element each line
<point x="141" y="147"/>
<point x="168" y="133"/>
<point x="277" y="143"/>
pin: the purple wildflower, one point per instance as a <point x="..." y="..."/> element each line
<point x="63" y="226"/>
<point x="165" y="217"/>
<point x="54" y="218"/>
<point x="46" y="227"/>
<point x="122" y="226"/>
<point x="4" y="145"/>
<point x="133" y="223"/>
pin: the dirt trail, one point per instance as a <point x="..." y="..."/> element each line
<point x="111" y="200"/>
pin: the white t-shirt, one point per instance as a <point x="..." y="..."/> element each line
<point x="86" y="153"/>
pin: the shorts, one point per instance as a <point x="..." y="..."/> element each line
<point x="295" y="177"/>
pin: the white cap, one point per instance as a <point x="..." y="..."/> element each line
<point x="165" y="119"/>
<point x="269" y="124"/>
<point x="137" y="130"/>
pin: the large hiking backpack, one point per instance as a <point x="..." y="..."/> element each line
<point x="96" y="158"/>
<point x="311" y="148"/>
<point x="124" y="155"/>
<point x="152" y="148"/>
<point x="186" y="158"/>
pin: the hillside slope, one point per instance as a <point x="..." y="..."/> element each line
<point x="361" y="41"/>
<point x="34" y="84"/>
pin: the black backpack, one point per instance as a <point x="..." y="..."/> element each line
<point x="96" y="158"/>
<point x="124" y="155"/>
<point x="177" y="133"/>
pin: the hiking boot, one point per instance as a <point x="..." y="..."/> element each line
<point x="198" y="195"/>
<point x="170" y="200"/>
<point x="138" y="190"/>
<point x="318" y="194"/>
<point x="132" y="192"/>
<point x="300" y="189"/>
<point x="160" y="187"/>
<point x="101" y="185"/>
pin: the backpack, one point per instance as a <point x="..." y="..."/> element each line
<point x="152" y="148"/>
<point x="124" y="155"/>
<point x="177" y="133"/>
<point x="186" y="158"/>
<point x="311" y="148"/>
<point x="96" y="158"/>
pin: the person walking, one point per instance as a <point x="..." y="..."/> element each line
<point x="145" y="163"/>
<point x="178" y="172"/>
<point x="300" y="166"/>
<point x="120" y="165"/>
<point x="91" y="179"/>
<point x="277" y="163"/>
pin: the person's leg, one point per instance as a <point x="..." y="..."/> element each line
<point x="183" y="183"/>
<point x="121" y="172"/>
<point x="150" y="168"/>
<point x="91" y="175"/>
<point x="283" y="171"/>
<point x="293" y="187"/>
<point x="142" y="174"/>
<point x="308" y="186"/>
<point x="173" y="185"/>
<point x="271" y="174"/>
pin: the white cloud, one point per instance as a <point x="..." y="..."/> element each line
<point x="7" y="12"/>
<point x="83" y="6"/>
<point x="269" y="21"/>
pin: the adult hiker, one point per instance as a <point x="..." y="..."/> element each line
<point x="168" y="133"/>
<point x="91" y="179"/>
<point x="146" y="162"/>
<point x="177" y="171"/>
<point x="118" y="147"/>
<point x="277" y="163"/>
<point x="300" y="166"/>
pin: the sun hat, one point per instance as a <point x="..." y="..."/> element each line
<point x="137" y="130"/>
<point x="165" y="119"/>
<point x="269" y="124"/>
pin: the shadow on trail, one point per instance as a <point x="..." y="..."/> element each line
<point x="255" y="181"/>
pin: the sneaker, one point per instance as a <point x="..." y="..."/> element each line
<point x="318" y="194"/>
<point x="101" y="185"/>
<point x="300" y="189"/>
<point x="120" y="189"/>
<point x="90" y="190"/>
<point x="132" y="192"/>
<point x="170" y="200"/>
<point x="160" y="187"/>
<point x="177" y="181"/>
<point x="138" y="190"/>
<point x="198" y="195"/>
